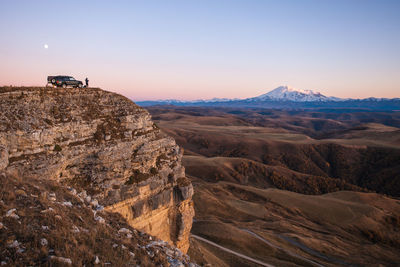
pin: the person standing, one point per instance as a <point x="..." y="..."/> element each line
<point x="87" y="82"/>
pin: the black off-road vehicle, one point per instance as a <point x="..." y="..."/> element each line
<point x="64" y="81"/>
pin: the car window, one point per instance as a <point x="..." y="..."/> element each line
<point x="71" y="79"/>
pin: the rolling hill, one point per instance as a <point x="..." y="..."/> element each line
<point x="290" y="187"/>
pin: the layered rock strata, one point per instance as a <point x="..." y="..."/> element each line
<point x="105" y="144"/>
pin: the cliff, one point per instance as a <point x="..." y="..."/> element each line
<point x="103" y="146"/>
<point x="43" y="223"/>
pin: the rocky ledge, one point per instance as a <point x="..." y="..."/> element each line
<point x="104" y="146"/>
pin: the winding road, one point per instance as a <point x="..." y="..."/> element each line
<point x="277" y="247"/>
<point x="266" y="242"/>
<point x="232" y="252"/>
<point x="290" y="240"/>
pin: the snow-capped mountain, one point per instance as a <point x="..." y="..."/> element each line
<point x="287" y="93"/>
<point x="184" y="102"/>
<point x="287" y="97"/>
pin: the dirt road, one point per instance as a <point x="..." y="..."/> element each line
<point x="232" y="252"/>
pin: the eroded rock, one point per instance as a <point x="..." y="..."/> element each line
<point x="102" y="145"/>
<point x="3" y="157"/>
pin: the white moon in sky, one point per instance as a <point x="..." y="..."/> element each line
<point x="46" y="46"/>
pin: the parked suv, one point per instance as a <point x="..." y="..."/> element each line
<point x="64" y="81"/>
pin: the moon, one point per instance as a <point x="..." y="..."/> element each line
<point x="46" y="46"/>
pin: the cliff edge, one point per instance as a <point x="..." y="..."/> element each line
<point x="106" y="148"/>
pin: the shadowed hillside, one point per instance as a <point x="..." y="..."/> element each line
<point x="343" y="228"/>
<point x="242" y="161"/>
<point x="366" y="155"/>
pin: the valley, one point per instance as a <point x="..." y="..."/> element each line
<point x="290" y="188"/>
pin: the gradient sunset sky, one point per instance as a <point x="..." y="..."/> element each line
<point x="200" y="49"/>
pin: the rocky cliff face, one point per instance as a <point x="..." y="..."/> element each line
<point x="102" y="143"/>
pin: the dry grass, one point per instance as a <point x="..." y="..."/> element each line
<point x="30" y="198"/>
<point x="335" y="154"/>
<point x="363" y="225"/>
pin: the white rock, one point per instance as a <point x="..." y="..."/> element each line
<point x="75" y="229"/>
<point x="72" y="190"/>
<point x="169" y="252"/>
<point x="100" y="219"/>
<point x="11" y="214"/>
<point x="159" y="243"/>
<point x="45" y="228"/>
<point x="50" y="209"/>
<point x="44" y="242"/>
<point x="88" y="199"/>
<point x="52" y="197"/>
<point x="96" y="260"/>
<point x="62" y="259"/>
<point x="128" y="236"/>
<point x="176" y="263"/>
<point x="115" y="245"/>
<point x="82" y="194"/>
<point x="3" y="263"/>
<point x="124" y="231"/>
<point x="14" y="244"/>
<point x="11" y="211"/>
<point x="1" y="225"/>
<point x="132" y="254"/>
<point x="94" y="203"/>
<point x="67" y="204"/>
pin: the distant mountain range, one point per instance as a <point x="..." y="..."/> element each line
<point x="286" y="93"/>
<point x="287" y="97"/>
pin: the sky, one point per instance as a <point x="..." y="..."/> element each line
<point x="201" y="49"/>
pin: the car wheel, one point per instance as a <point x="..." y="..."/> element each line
<point x="64" y="85"/>
<point x="53" y="81"/>
<point x="80" y="85"/>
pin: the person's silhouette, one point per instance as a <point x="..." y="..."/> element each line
<point x="87" y="82"/>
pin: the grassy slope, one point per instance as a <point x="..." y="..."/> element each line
<point x="235" y="160"/>
<point x="32" y="200"/>
<point x="351" y="227"/>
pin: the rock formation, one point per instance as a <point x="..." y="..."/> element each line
<point x="102" y="143"/>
